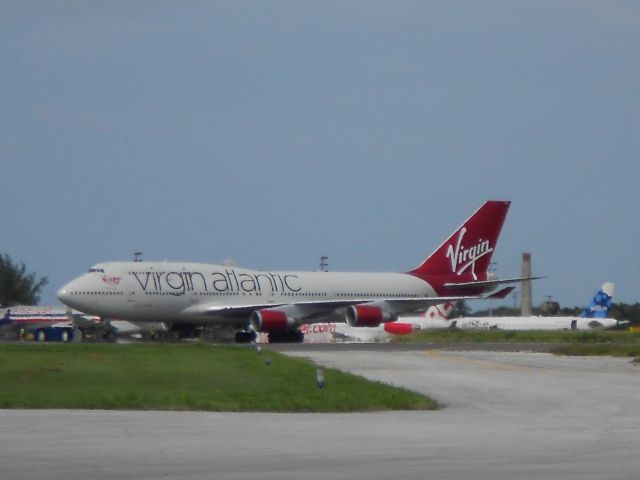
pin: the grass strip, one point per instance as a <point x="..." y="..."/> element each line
<point x="600" y="349"/>
<point x="184" y="377"/>
<point x="521" y="336"/>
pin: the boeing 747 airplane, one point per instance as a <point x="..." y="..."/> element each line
<point x="280" y="302"/>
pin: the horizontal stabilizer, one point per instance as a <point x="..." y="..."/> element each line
<point x="489" y="283"/>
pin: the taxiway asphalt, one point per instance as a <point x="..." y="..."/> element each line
<point x="506" y="415"/>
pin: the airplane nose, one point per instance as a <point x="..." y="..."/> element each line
<point x="63" y="294"/>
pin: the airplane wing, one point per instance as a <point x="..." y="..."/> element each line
<point x="244" y="311"/>
<point x="319" y="310"/>
<point x="81" y="319"/>
<point x="488" y="283"/>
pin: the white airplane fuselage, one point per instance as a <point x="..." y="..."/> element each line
<point x="535" y="323"/>
<point x="434" y="318"/>
<point x="172" y="291"/>
<point x="35" y="316"/>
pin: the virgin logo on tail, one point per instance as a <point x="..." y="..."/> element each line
<point x="467" y="251"/>
<point x="462" y="258"/>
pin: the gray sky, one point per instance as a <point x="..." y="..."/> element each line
<point x="276" y="132"/>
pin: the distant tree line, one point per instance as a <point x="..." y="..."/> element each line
<point x="17" y="287"/>
<point x="626" y="311"/>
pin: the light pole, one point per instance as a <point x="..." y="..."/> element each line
<point x="324" y="263"/>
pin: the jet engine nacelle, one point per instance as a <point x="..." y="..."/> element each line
<point x="272" y="321"/>
<point x="368" y="316"/>
<point x="398" y="328"/>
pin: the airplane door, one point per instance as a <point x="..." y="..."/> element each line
<point x="193" y="299"/>
<point x="269" y="295"/>
<point x="266" y="289"/>
<point x="574" y="324"/>
<point x="192" y="292"/>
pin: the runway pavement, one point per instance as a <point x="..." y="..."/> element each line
<point x="507" y="415"/>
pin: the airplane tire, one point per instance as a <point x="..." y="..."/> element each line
<point x="245" y="337"/>
<point x="277" y="337"/>
<point x="109" y="336"/>
<point x="286" y="337"/>
<point x="295" y="337"/>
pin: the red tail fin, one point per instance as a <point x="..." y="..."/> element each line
<point x="467" y="252"/>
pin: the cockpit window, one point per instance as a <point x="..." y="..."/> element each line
<point x="99" y="270"/>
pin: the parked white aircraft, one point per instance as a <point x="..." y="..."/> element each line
<point x="434" y="317"/>
<point x="40" y="318"/>
<point x="279" y="302"/>
<point x="592" y="317"/>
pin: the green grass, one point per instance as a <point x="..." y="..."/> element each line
<point x="570" y="342"/>
<point x="600" y="349"/>
<point x="184" y="377"/>
<point x="524" y="336"/>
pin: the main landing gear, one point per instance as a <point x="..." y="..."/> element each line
<point x="295" y="336"/>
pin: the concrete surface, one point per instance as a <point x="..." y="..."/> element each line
<point x="507" y="416"/>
